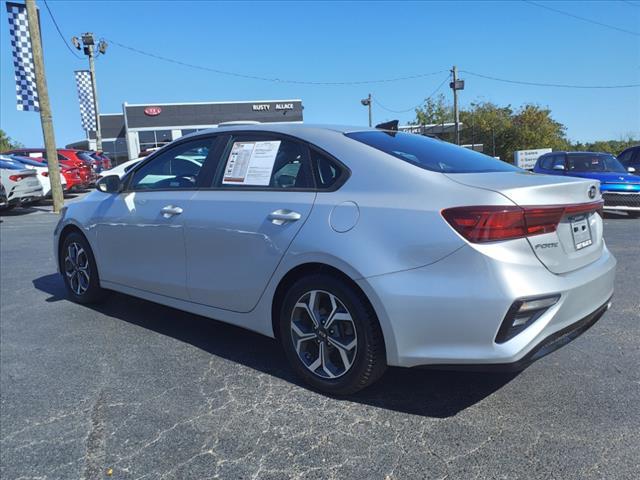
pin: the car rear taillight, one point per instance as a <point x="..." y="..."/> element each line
<point x="492" y="223"/>
<point x="44" y="174"/>
<point x="17" y="178"/>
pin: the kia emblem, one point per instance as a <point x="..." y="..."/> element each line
<point x="152" y="111"/>
<point x="592" y="191"/>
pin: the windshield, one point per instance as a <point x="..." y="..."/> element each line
<point x="26" y="161"/>
<point x="591" y="162"/>
<point x="430" y="154"/>
<point x="11" y="165"/>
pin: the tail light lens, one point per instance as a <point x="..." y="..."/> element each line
<point x="492" y="223"/>
<point x="44" y="174"/>
<point x="17" y="178"/>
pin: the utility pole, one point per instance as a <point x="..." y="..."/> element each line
<point x="45" y="107"/>
<point x="456" y="113"/>
<point x="88" y="44"/>
<point x="367" y="103"/>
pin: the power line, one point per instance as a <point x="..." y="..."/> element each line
<point x="355" y="82"/>
<point x="540" y="84"/>
<point x="588" y="20"/>
<point x="269" y="79"/>
<point x="59" y="31"/>
<point x="416" y="106"/>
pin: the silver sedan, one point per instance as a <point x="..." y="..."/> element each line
<point x="355" y="248"/>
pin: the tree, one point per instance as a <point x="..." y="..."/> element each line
<point x="6" y="143"/>
<point x="490" y="125"/>
<point x="610" y="146"/>
<point x="533" y="127"/>
<point x="434" y="111"/>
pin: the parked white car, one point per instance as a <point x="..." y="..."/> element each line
<point x="21" y="184"/>
<point x="42" y="173"/>
<point x="122" y="169"/>
<point x="356" y="248"/>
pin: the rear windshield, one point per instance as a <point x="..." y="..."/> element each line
<point x="586" y="162"/>
<point x="431" y="154"/>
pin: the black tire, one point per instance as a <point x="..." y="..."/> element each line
<point x="368" y="361"/>
<point x="93" y="293"/>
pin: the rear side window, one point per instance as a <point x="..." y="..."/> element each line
<point x="326" y="171"/>
<point x="430" y="154"/>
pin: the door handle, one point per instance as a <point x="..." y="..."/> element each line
<point x="170" y="210"/>
<point x="282" y="216"/>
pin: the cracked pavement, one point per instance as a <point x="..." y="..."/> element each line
<point x="154" y="393"/>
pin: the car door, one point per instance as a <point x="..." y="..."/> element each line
<point x="237" y="231"/>
<point x="141" y="231"/>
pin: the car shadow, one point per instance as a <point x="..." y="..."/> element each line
<point x="430" y="393"/>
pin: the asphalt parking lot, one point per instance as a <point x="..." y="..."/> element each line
<point x="137" y="390"/>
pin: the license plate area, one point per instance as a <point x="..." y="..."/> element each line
<point x="581" y="231"/>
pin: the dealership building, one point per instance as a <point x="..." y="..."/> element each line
<point x="143" y="126"/>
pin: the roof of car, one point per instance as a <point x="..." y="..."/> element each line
<point x="290" y="128"/>
<point x="576" y="152"/>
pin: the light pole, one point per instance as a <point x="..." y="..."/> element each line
<point x="367" y="103"/>
<point x="89" y="48"/>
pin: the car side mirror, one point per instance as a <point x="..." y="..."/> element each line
<point x="631" y="170"/>
<point x="558" y="167"/>
<point x="109" y="184"/>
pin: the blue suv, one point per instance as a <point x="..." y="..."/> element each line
<point x="620" y="189"/>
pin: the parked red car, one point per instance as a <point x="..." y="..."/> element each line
<point x="67" y="158"/>
<point x="72" y="176"/>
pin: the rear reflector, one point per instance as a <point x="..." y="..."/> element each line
<point x="492" y="223"/>
<point x="522" y="314"/>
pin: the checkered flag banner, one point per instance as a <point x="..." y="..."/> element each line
<point x="26" y="90"/>
<point x="85" y="97"/>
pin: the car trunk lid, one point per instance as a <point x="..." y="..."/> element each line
<point x="577" y="240"/>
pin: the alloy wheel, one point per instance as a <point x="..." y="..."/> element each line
<point x="76" y="268"/>
<point x="323" y="334"/>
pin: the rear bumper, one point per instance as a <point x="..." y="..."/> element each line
<point x="549" y="345"/>
<point x="449" y="313"/>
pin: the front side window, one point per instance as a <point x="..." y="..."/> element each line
<point x="266" y="163"/>
<point x="595" y="163"/>
<point x="557" y="162"/>
<point x="546" y="162"/>
<point x="625" y="157"/>
<point x="430" y="154"/>
<point x="177" y="168"/>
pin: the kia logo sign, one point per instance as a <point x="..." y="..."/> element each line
<point x="152" y="111"/>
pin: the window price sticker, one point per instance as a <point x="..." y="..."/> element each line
<point x="251" y="163"/>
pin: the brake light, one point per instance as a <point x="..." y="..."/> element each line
<point x="44" y="174"/>
<point x="492" y="223"/>
<point x="17" y="178"/>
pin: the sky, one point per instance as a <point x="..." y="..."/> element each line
<point x="341" y="42"/>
